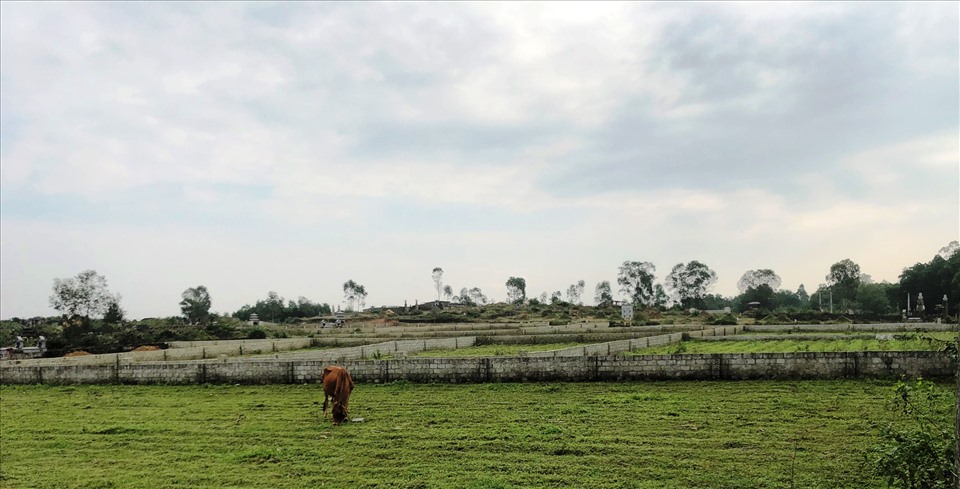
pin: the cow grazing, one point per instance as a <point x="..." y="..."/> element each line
<point x="337" y="385"/>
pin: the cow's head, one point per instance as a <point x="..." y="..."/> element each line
<point x="339" y="413"/>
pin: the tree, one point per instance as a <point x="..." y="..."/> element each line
<point x="114" y="314"/>
<point x="947" y="251"/>
<point x="272" y="309"/>
<point x="939" y="277"/>
<point x="361" y="297"/>
<point x="85" y="295"/>
<point x="471" y="297"/>
<point x="844" y="278"/>
<point x="660" y="297"/>
<point x="603" y="295"/>
<point x="762" y="294"/>
<point x="636" y="281"/>
<point x="575" y="291"/>
<point x="753" y="278"/>
<point x="516" y="290"/>
<point x="873" y="298"/>
<point x="350" y="293"/>
<point x="195" y="304"/>
<point x="447" y="292"/>
<point x="802" y="295"/>
<point x="438" y="280"/>
<point x="689" y="283"/>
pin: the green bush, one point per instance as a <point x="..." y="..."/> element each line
<point x="724" y="320"/>
<point x="918" y="454"/>
<point x="256" y="334"/>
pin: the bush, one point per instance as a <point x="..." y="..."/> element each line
<point x="256" y="334"/>
<point x="724" y="320"/>
<point x="919" y="454"/>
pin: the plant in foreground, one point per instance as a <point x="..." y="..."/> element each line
<point x="917" y="454"/>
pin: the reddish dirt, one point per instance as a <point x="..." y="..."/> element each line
<point x="146" y="348"/>
<point x="77" y="354"/>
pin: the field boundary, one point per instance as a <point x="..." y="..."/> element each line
<point x="819" y="365"/>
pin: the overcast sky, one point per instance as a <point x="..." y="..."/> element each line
<point x="290" y="147"/>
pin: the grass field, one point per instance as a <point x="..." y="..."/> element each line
<point x="495" y="350"/>
<point x="767" y="434"/>
<point x="912" y="343"/>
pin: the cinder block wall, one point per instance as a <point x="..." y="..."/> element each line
<point x="887" y="364"/>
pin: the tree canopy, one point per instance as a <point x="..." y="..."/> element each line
<point x="85" y="295"/>
<point x="689" y="283"/>
<point x="195" y="304"/>
<point x="636" y="281"/>
<point x="516" y="290"/>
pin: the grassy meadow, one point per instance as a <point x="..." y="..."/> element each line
<point x="906" y="342"/>
<point x="762" y="434"/>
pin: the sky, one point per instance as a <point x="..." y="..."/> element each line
<point x="254" y="147"/>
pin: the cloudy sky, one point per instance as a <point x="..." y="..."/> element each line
<point x="290" y="147"/>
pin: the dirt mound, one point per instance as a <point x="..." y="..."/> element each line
<point x="77" y="354"/>
<point x="146" y="348"/>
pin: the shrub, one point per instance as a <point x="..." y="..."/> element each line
<point x="724" y="320"/>
<point x="256" y="334"/>
<point x="920" y="453"/>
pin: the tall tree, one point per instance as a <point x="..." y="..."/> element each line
<point x="361" y="297"/>
<point x="471" y="297"/>
<point x="753" y="278"/>
<point x="873" y="298"/>
<point x="844" y="278"/>
<point x="447" y="292"/>
<point x="195" y="304"/>
<point x="689" y="283"/>
<point x="575" y="291"/>
<point x="85" y="295"/>
<point x="802" y="295"/>
<point x="516" y="290"/>
<point x="438" y="280"/>
<point x="603" y="295"/>
<point x="350" y="293"/>
<point x="636" y="281"/>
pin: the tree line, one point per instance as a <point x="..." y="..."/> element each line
<point x="934" y="288"/>
<point x="687" y="285"/>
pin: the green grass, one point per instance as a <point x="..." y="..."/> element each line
<point x="808" y="434"/>
<point x="495" y="350"/>
<point x="912" y="343"/>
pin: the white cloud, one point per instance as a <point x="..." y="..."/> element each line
<point x="305" y="144"/>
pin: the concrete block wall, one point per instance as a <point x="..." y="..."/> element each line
<point x="385" y="348"/>
<point x="504" y="369"/>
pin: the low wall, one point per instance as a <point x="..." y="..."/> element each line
<point x="832" y="365"/>
<point x="401" y="347"/>
<point x="620" y="346"/>
<point x="893" y="327"/>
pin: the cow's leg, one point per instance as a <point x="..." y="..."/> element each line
<point x="324" y="406"/>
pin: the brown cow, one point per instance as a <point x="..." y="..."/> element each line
<point x="337" y="385"/>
